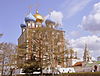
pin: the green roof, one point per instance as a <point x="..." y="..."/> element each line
<point x="89" y="64"/>
<point x="98" y="62"/>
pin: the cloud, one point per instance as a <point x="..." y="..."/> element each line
<point x="55" y="16"/>
<point x="71" y="7"/>
<point x="74" y="34"/>
<point x="93" y="44"/>
<point x="92" y="21"/>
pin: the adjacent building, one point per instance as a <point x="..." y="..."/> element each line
<point x="87" y="56"/>
<point x="98" y="58"/>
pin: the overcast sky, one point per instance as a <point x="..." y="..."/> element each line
<point x="79" y="18"/>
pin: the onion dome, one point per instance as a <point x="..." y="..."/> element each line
<point x="49" y="22"/>
<point x="38" y="17"/>
<point x="22" y="25"/>
<point x="51" y="19"/>
<point x="29" y="17"/>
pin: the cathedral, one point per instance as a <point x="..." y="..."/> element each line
<point x="41" y="41"/>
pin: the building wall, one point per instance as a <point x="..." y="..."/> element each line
<point x="46" y="44"/>
<point x="78" y="69"/>
<point x="98" y="59"/>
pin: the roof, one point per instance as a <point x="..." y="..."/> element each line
<point x="98" y="62"/>
<point x="48" y="21"/>
<point x="39" y="18"/>
<point x="51" y="19"/>
<point x="89" y="64"/>
<point x="78" y="64"/>
<point x="29" y="17"/>
<point x="22" y="25"/>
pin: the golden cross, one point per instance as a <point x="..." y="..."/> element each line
<point x="36" y="6"/>
<point x="30" y="8"/>
<point x="50" y="9"/>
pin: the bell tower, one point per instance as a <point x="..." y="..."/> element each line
<point x="87" y="56"/>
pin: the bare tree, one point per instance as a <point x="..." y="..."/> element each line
<point x="46" y="45"/>
<point x="8" y="57"/>
<point x="71" y="53"/>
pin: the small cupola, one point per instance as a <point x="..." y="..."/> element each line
<point x="30" y="20"/>
<point x="39" y="18"/>
<point x="50" y="22"/>
<point x="23" y="26"/>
